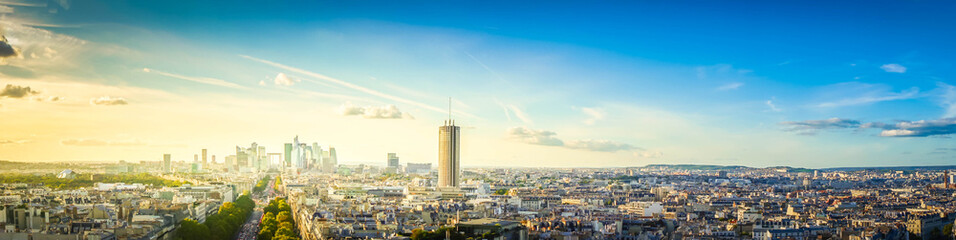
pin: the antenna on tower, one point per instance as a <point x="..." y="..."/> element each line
<point x="449" y="108"/>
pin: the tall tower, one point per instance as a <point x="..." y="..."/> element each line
<point x="449" y="172"/>
<point x="204" y="162"/>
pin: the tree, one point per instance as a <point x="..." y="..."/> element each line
<point x="266" y="234"/>
<point x="192" y="230"/>
<point x="284" y="232"/>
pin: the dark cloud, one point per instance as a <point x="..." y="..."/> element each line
<point x="5" y="49"/>
<point x="14" y="91"/>
<point x="922" y="128"/>
<point x="809" y="126"/>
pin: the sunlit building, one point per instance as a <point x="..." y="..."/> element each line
<point x="449" y="172"/>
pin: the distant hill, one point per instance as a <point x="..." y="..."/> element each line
<point x="896" y="168"/>
<point x="793" y="169"/>
<point x="697" y="167"/>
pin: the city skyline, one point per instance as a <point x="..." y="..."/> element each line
<point x="755" y="84"/>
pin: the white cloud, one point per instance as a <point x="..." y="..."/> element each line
<point x="284" y="80"/>
<point x="547" y="138"/>
<point x="537" y="137"/>
<point x="384" y="112"/>
<point x="730" y="86"/>
<point x="203" y="80"/>
<point x="893" y="68"/>
<point x="648" y="154"/>
<point x="594" y="115"/>
<point x="773" y="107"/>
<point x="108" y="101"/>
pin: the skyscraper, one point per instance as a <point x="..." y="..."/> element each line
<point x="167" y="164"/>
<point x="449" y="173"/>
<point x="288" y="155"/>
<point x="331" y="161"/>
<point x="204" y="162"/>
<point x="393" y="160"/>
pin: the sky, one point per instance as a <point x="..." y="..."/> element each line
<point x="532" y="84"/>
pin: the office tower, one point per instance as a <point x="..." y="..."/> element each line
<point x="242" y="159"/>
<point x="253" y="154"/>
<point x="288" y="155"/>
<point x="316" y="155"/>
<point x="448" y="155"/>
<point x="263" y="159"/>
<point x="204" y="162"/>
<point x="332" y="162"/>
<point x="230" y="163"/>
<point x="195" y="158"/>
<point x="167" y="164"/>
<point x="212" y="159"/>
<point x="319" y="156"/>
<point x="393" y="160"/>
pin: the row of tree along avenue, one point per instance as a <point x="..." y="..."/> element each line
<point x="220" y="226"/>
<point x="277" y="223"/>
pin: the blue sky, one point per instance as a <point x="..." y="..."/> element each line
<point x="811" y="84"/>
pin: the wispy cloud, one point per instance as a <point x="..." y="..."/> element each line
<point x="485" y="67"/>
<point x="947" y="99"/>
<point x="203" y="80"/>
<point x="865" y="94"/>
<point x="352" y="86"/>
<point x="12" y="142"/>
<point x="730" y="86"/>
<point x="594" y="115"/>
<point x="108" y="101"/>
<point x="383" y="112"/>
<point x="893" y="68"/>
<point x="100" y="143"/>
<point x="773" y="107"/>
<point x="520" y="114"/>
